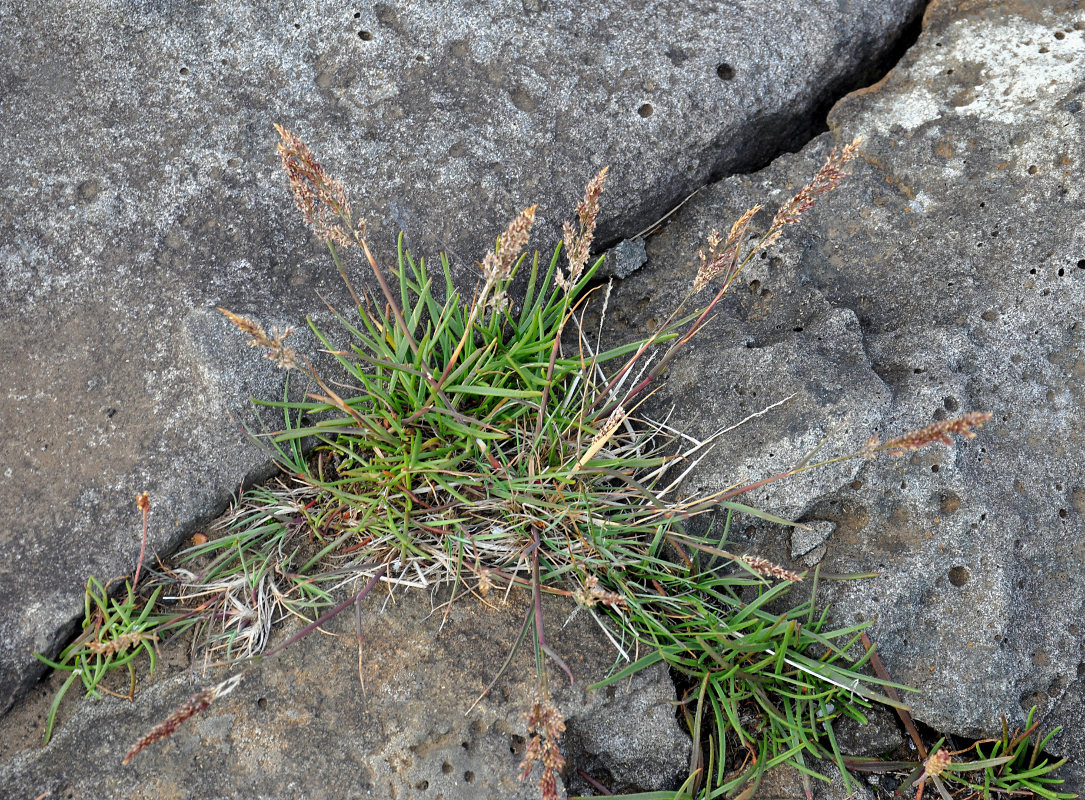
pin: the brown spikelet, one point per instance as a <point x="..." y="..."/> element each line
<point x="121" y="643"/>
<point x="321" y="199"/>
<point x="168" y="727"/>
<point x="762" y="566"/>
<point x="278" y="352"/>
<point x="724" y="255"/>
<point x="578" y="243"/>
<point x="545" y="727"/>
<point x="826" y="179"/>
<point x="498" y="263"/>
<point x="143" y="502"/>
<point x="938" y="432"/>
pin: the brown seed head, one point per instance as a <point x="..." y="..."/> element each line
<point x="194" y="705"/>
<point x="321" y="199"/>
<point x="826" y="179"/>
<point x="938" y="432"/>
<point x="724" y="256"/>
<point x="762" y="566"/>
<point x="591" y="594"/>
<point x="143" y="502"/>
<point x="498" y="263"/>
<point x="275" y="344"/>
<point x="545" y="728"/>
<point x="578" y="243"/>
<point x="121" y="643"/>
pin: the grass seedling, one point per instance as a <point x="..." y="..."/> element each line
<point x="1015" y="765"/>
<point x="115" y="632"/>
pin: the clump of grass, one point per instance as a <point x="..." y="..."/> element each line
<point x="487" y="445"/>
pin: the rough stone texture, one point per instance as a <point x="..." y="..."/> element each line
<point x="764" y="393"/>
<point x="301" y="726"/>
<point x="957" y="250"/>
<point x="141" y="190"/>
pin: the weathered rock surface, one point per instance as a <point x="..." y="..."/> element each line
<point x="301" y="726"/>
<point x="957" y="249"/>
<point x="141" y="190"/>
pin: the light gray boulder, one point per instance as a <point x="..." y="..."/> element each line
<point x="957" y="248"/>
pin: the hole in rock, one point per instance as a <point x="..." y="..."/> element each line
<point x="958" y="576"/>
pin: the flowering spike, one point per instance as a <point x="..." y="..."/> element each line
<point x="578" y="243"/>
<point x="827" y="179"/>
<point x="762" y="566"/>
<point x="545" y="727"/>
<point x="724" y="256"/>
<point x="193" y="706"/>
<point x="497" y="265"/>
<point x="321" y="199"/>
<point x="278" y="352"/>
<point x="938" y="432"/>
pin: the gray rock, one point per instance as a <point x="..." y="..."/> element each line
<point x="958" y="248"/>
<point x="778" y="400"/>
<point x="302" y="725"/>
<point x="808" y="542"/>
<point x="141" y="190"/>
<point x="623" y="259"/>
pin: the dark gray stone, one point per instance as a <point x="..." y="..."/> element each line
<point x="141" y="190"/>
<point x="623" y="259"/>
<point x="957" y="250"/>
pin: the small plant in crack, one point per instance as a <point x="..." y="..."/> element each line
<point x="488" y="444"/>
<point x="1010" y="765"/>
<point x="116" y="630"/>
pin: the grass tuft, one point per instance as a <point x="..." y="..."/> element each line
<point x="487" y="445"/>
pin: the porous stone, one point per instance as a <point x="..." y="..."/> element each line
<point x="141" y="191"/>
<point x="956" y="247"/>
<point x="303" y="725"/>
